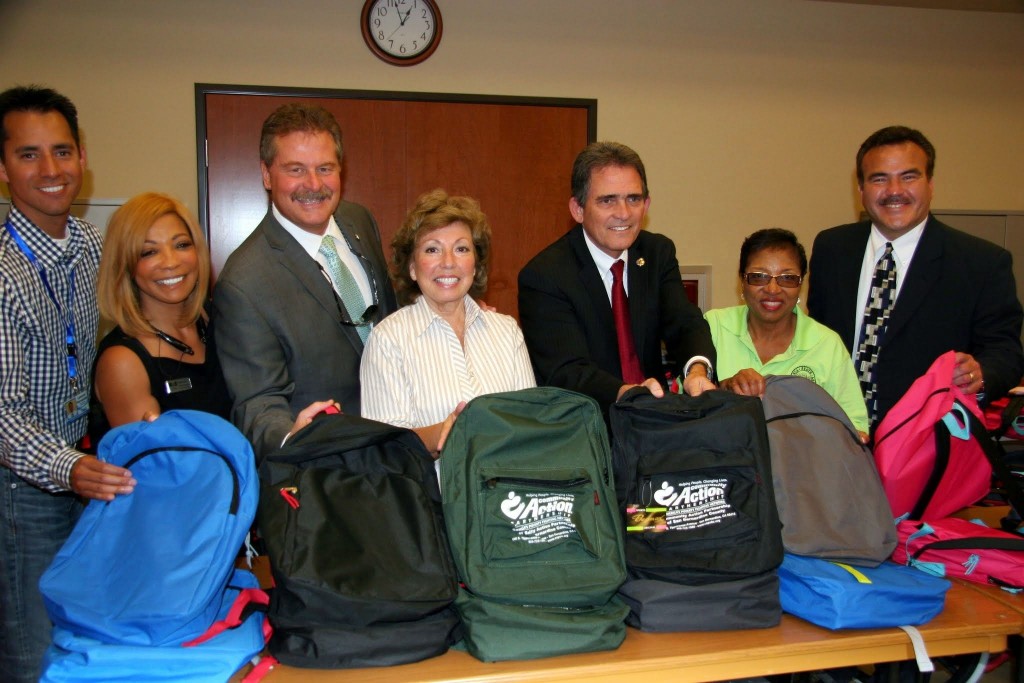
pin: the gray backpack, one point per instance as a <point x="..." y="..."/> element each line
<point x="827" y="488"/>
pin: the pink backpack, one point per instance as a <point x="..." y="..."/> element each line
<point x="930" y="448"/>
<point x="962" y="549"/>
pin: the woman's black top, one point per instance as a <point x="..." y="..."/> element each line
<point x="174" y="382"/>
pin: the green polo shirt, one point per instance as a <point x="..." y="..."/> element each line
<point x="816" y="353"/>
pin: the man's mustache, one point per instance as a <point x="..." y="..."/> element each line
<point x="320" y="196"/>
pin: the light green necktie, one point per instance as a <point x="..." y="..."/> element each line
<point x="346" y="286"/>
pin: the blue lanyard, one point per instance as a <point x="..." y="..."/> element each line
<point x="69" y="319"/>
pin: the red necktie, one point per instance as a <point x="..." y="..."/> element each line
<point x="631" y="372"/>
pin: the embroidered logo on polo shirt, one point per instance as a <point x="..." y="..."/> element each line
<point x="805" y="372"/>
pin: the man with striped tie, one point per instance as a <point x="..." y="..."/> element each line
<point x="296" y="300"/>
<point x="902" y="288"/>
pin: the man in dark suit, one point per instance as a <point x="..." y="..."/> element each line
<point x="287" y="340"/>
<point x="953" y="291"/>
<point x="566" y="292"/>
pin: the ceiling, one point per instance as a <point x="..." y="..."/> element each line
<point x="967" y="5"/>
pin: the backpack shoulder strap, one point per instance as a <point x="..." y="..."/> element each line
<point x="997" y="458"/>
<point x="942" y="446"/>
<point x="972" y="543"/>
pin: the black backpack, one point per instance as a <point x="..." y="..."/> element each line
<point x="694" y="484"/>
<point x="350" y="513"/>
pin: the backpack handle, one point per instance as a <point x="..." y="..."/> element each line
<point x="958" y="422"/>
<point x="972" y="543"/>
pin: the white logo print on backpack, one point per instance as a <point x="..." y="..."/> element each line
<point x="542" y="518"/>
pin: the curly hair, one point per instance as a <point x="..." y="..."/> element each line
<point x="116" y="291"/>
<point x="433" y="210"/>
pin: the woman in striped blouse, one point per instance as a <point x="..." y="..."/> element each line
<point x="423" y="362"/>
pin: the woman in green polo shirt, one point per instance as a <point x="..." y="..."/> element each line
<point x="770" y="335"/>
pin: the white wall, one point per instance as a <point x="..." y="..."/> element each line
<point x="748" y="113"/>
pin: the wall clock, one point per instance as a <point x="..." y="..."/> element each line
<point x="401" y="32"/>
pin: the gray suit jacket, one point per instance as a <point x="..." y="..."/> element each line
<point x="281" y="332"/>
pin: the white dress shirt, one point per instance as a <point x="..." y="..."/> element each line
<point x="604" y="264"/>
<point x="903" y="248"/>
<point x="310" y="242"/>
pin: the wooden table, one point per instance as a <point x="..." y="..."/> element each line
<point x="971" y="622"/>
<point x="1014" y="601"/>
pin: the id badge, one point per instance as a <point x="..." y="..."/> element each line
<point x="77" y="407"/>
<point x="173" y="386"/>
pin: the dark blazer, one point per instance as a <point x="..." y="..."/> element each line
<point x="567" y="319"/>
<point x="281" y="333"/>
<point x="959" y="294"/>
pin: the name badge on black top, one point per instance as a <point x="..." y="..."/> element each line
<point x="174" y="386"/>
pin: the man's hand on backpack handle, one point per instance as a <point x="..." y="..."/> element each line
<point x="967" y="374"/>
<point x="306" y="415"/>
<point x="93" y="478"/>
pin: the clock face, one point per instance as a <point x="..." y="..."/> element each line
<point x="401" y="32"/>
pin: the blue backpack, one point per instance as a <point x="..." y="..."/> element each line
<point x="836" y="595"/>
<point x="152" y="567"/>
<point x="238" y="636"/>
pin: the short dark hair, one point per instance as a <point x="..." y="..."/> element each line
<point x="598" y="155"/>
<point x="294" y="118"/>
<point x="434" y="210"/>
<point x="772" y="238"/>
<point x="896" y="135"/>
<point x="38" y="99"/>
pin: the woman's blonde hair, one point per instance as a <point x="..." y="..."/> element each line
<point x="117" y="294"/>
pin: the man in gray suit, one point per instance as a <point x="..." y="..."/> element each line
<point x="297" y="298"/>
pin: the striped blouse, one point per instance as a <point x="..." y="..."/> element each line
<point x="414" y="371"/>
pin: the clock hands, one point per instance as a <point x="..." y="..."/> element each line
<point x="401" y="21"/>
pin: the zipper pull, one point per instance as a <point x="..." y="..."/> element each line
<point x="290" y="493"/>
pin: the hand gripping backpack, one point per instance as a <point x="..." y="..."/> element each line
<point x="351" y="516"/>
<point x="933" y="452"/>
<point x="694" y="483"/>
<point x="831" y="501"/>
<point x="530" y="510"/>
<point x="151" y="567"/>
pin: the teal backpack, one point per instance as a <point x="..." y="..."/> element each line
<point x="529" y="503"/>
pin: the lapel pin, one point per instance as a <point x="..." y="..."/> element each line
<point x="640" y="262"/>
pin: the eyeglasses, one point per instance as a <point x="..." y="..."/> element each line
<point x="787" y="280"/>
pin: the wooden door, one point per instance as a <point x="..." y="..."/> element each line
<point x="513" y="154"/>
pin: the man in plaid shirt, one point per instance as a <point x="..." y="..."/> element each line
<point x="48" y="318"/>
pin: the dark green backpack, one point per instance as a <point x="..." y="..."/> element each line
<point x="529" y="503"/>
